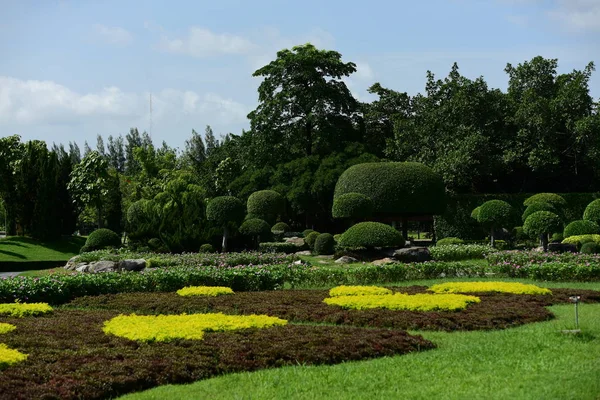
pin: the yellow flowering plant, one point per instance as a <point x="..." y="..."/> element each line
<point x="5" y="328"/>
<point x="402" y="301"/>
<point x="9" y="356"/>
<point x="24" y="309"/>
<point x="358" y="291"/>
<point x="162" y="328"/>
<point x="204" y="291"/>
<point x="501" y="287"/>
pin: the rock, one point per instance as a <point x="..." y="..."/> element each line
<point x="412" y="254"/>
<point x="296" y="240"/>
<point x="384" y="261"/>
<point x="72" y="263"/>
<point x="132" y="265"/>
<point x="303" y="253"/>
<point x="562" y="247"/>
<point x="81" y="267"/>
<point x="103" y="266"/>
<point x="297" y="262"/>
<point x="346" y="260"/>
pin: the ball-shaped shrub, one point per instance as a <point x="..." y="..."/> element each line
<point x="581" y="227"/>
<point x="495" y="213"/>
<point x="371" y="234"/>
<point x="255" y="227"/>
<point x="589" y="248"/>
<point x="101" y="239"/>
<point x="265" y="204"/>
<point x="225" y="209"/>
<point x="541" y="222"/>
<point x="280" y="227"/>
<point x="207" y="248"/>
<point x="396" y="188"/>
<point x="310" y="239"/>
<point x="306" y="232"/>
<point x="136" y="212"/>
<point x="475" y="212"/>
<point x="592" y="212"/>
<point x="556" y="200"/>
<point x="448" y="241"/>
<point x="352" y="206"/>
<point x="324" y="244"/>
<point x="539" y="206"/>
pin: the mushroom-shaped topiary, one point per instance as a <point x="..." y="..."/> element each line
<point x="101" y="239"/>
<point x="542" y="223"/>
<point x="552" y="198"/>
<point x="280" y="227"/>
<point x="539" y="206"/>
<point x="581" y="227"/>
<point x="475" y="212"/>
<point x="256" y="228"/>
<point x="352" y="206"/>
<point x="397" y="189"/>
<point x="495" y="214"/>
<point x="225" y="210"/>
<point x="324" y="244"/>
<point x="370" y="235"/>
<point x="265" y="204"/>
<point x="592" y="212"/>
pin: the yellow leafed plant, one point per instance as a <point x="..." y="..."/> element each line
<point x="162" y="328"/>
<point x="358" y="291"/>
<point x="204" y="291"/>
<point x="9" y="356"/>
<point x="402" y="301"/>
<point x="5" y="328"/>
<point x="24" y="309"/>
<point x="502" y="287"/>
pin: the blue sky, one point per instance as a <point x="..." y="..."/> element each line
<point x="70" y="70"/>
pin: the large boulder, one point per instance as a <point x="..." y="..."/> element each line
<point x="346" y="260"/>
<point x="562" y="247"/>
<point x="103" y="266"/>
<point x="412" y="254"/>
<point x="132" y="265"/>
<point x="72" y="263"/>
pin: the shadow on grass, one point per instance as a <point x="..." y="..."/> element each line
<point x="13" y="254"/>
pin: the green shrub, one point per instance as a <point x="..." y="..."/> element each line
<point x="557" y="237"/>
<point x="337" y="237"/>
<point x="306" y="232"/>
<point x="207" y="248"/>
<point x="581" y="239"/>
<point x="541" y="222"/>
<point x="496" y="213"/>
<point x="352" y="206"/>
<point x="458" y="252"/>
<point x="280" y="227"/>
<point x="449" y="240"/>
<point x="539" y="206"/>
<point x="155" y="243"/>
<point x="225" y="209"/>
<point x="310" y="239"/>
<point x="592" y="212"/>
<point x="520" y="234"/>
<point x="396" y="188"/>
<point x="475" y="213"/>
<point x="279" y="247"/>
<point x="265" y="204"/>
<point x="102" y="239"/>
<point x="581" y="227"/>
<point x="371" y="234"/>
<point x="255" y="227"/>
<point x="324" y="244"/>
<point x="589" y="248"/>
<point x="552" y="198"/>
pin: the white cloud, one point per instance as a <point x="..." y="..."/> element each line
<point x="364" y="72"/>
<point x="577" y="15"/>
<point x="113" y="35"/>
<point x="201" y="42"/>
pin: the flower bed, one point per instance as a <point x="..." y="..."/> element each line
<point x="24" y="309"/>
<point x="204" y="291"/>
<point x="401" y="301"/>
<point x="358" y="291"/>
<point x="500" y="287"/>
<point x="457" y="252"/>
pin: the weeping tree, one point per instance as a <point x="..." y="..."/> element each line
<point x="225" y="211"/>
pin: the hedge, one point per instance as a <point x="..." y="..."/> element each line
<point x="581" y="227"/>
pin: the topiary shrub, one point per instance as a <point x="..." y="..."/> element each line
<point x="265" y="204"/>
<point x="551" y="198"/>
<point x="280" y="227"/>
<point x="306" y="232"/>
<point x="539" y="206"/>
<point x="352" y="206"/>
<point x="495" y="214"/>
<point x="520" y="234"/>
<point x="224" y="210"/>
<point x="310" y="239"/>
<point x="475" y="212"/>
<point x="101" y="239"/>
<point x="448" y="241"/>
<point x="337" y="237"/>
<point x="589" y="248"/>
<point x="324" y="244"/>
<point x="592" y="212"/>
<point x="256" y="228"/>
<point x="207" y="248"/>
<point x="581" y="227"/>
<point x="278" y="247"/>
<point x="370" y="235"/>
<point x="541" y="223"/>
<point x="557" y="237"/>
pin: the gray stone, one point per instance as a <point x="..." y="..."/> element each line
<point x="346" y="260"/>
<point x="384" y="261"/>
<point x="103" y="266"/>
<point x="297" y="262"/>
<point x="81" y="267"/>
<point x="296" y="240"/>
<point x="303" y="253"/>
<point x="132" y="265"/>
<point x="72" y="263"/>
<point x="412" y="254"/>
<point x="562" y="247"/>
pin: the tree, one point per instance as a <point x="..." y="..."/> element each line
<point x="495" y="214"/>
<point x="209" y="140"/>
<point x="256" y="228"/>
<point x="225" y="211"/>
<point x="116" y="153"/>
<point x="266" y="205"/>
<point x="88" y="184"/>
<point x="541" y="224"/>
<point x="11" y="151"/>
<point x="74" y="153"/>
<point x="302" y="99"/>
<point x="134" y="141"/>
<point x="194" y="154"/>
<point x="100" y="145"/>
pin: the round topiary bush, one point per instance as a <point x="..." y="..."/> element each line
<point x="581" y="227"/>
<point x="352" y="206"/>
<point x="589" y="248"/>
<point x="324" y="244"/>
<point x="225" y="209"/>
<point x="207" y="248"/>
<point x="310" y="239"/>
<point x="255" y="227"/>
<point x="539" y="206"/>
<point x="280" y="227"/>
<point x="551" y="198"/>
<point x="448" y="241"/>
<point x="495" y="214"/>
<point x="541" y="223"/>
<point x="306" y="232"/>
<point x="265" y="204"/>
<point x="475" y="212"/>
<point x="101" y="239"/>
<point x="396" y="188"/>
<point x="371" y="234"/>
<point x="592" y="212"/>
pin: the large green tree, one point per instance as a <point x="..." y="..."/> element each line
<point x="89" y="183"/>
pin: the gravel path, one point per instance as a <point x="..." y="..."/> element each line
<point x="8" y="274"/>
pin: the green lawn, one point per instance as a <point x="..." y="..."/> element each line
<point x="17" y="248"/>
<point x="534" y="361"/>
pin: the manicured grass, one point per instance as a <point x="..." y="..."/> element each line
<point x="45" y="272"/>
<point x="534" y="361"/>
<point x="17" y="248"/>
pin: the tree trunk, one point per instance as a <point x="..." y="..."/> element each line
<point x="225" y="236"/>
<point x="405" y="228"/>
<point x="545" y="241"/>
<point x="309" y="139"/>
<point x="100" y="217"/>
<point x="492" y="238"/>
